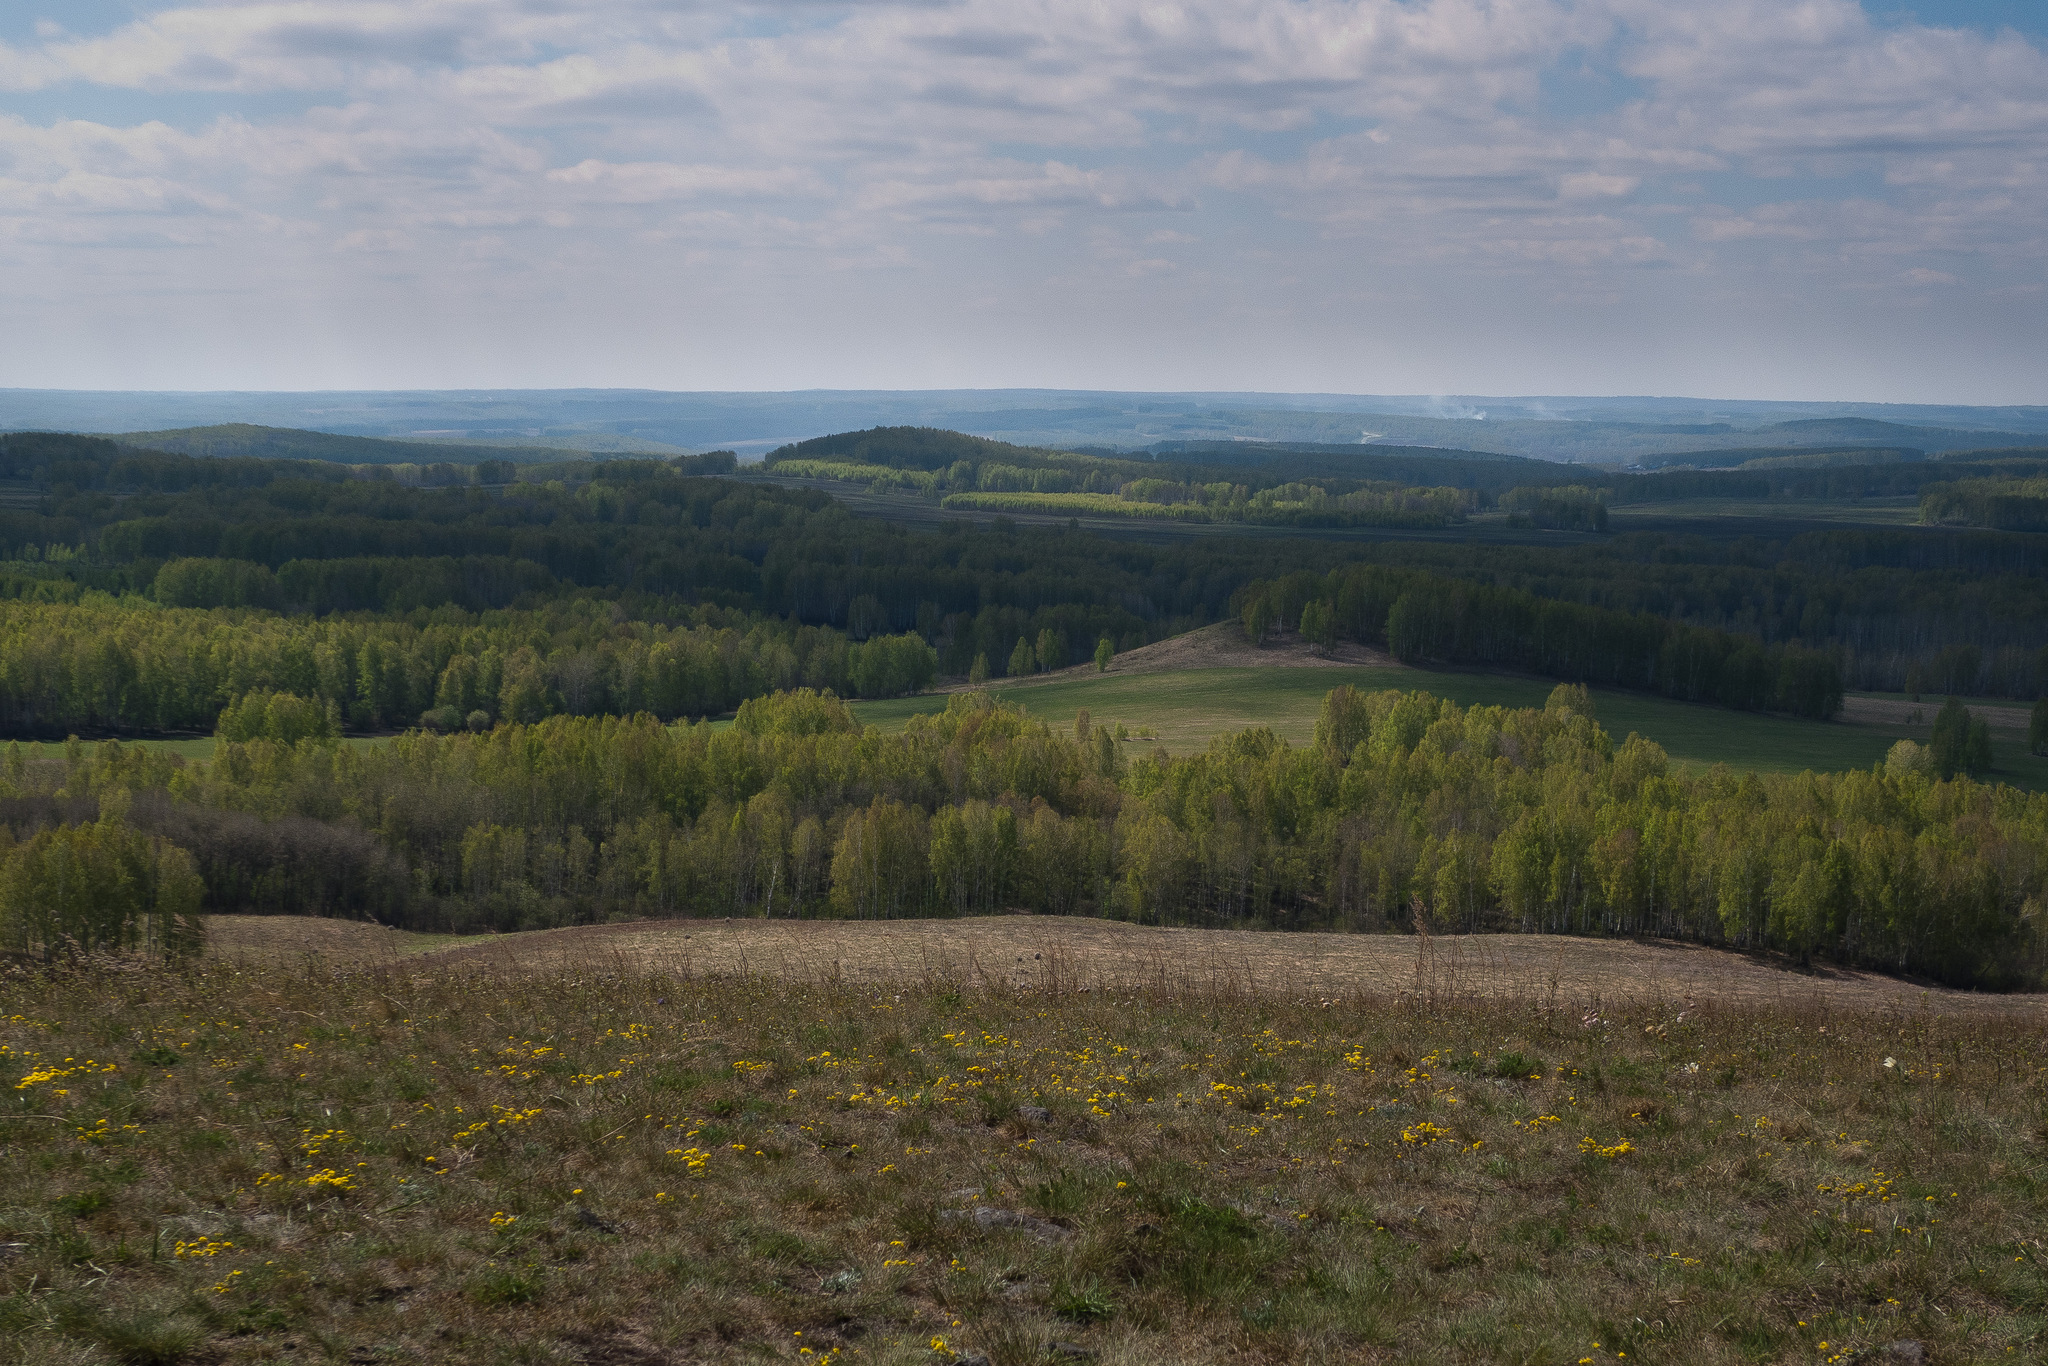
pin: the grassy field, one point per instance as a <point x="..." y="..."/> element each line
<point x="1897" y="511"/>
<point x="1184" y="709"/>
<point x="599" y="1164"/>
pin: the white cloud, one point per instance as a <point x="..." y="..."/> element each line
<point x="1594" y="185"/>
<point x="740" y="158"/>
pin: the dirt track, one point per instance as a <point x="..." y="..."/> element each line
<point x="1045" y="952"/>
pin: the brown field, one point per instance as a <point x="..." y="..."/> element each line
<point x="1059" y="954"/>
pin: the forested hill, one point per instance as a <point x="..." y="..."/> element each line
<point x="545" y="594"/>
<point x="958" y="462"/>
<point x="291" y="443"/>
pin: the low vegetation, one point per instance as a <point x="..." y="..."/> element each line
<point x="220" y="1164"/>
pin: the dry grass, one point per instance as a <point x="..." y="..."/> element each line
<point x="447" y="1161"/>
<point x="1067" y="954"/>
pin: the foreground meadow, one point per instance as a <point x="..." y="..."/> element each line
<point x="228" y="1163"/>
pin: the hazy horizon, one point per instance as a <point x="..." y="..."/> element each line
<point x="655" y="422"/>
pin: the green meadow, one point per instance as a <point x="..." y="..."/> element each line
<point x="1183" y="710"/>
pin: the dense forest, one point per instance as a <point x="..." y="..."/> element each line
<point x="551" y="639"/>
<point x="612" y="585"/>
<point x="1902" y="609"/>
<point x="1422" y="618"/>
<point x="1407" y="812"/>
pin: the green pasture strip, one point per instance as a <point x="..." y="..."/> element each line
<point x="413" y="942"/>
<point x="1873" y="511"/>
<point x="1185" y="709"/>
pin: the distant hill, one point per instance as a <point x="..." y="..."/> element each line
<point x="292" y="443"/>
<point x="932" y="450"/>
<point x="1821" y="460"/>
<point x="1757" y="457"/>
<point x="1254" y="452"/>
<point x="1870" y="431"/>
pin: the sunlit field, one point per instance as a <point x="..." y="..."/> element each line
<point x="1184" y="709"/>
<point x="233" y="1163"/>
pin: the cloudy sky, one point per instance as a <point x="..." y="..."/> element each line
<point x="1738" y="198"/>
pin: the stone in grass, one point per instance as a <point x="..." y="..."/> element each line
<point x="1070" y="1351"/>
<point x="1034" y="1114"/>
<point x="984" y="1217"/>
<point x="1904" y="1352"/>
<point x="593" y="1221"/>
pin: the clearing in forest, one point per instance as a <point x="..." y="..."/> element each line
<point x="1181" y="693"/>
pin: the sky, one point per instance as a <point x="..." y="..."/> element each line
<point x="1782" y="199"/>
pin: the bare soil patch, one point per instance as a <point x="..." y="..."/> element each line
<point x="1051" y="953"/>
<point x="1223" y="646"/>
<point x="286" y="940"/>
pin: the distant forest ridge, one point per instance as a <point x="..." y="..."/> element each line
<point x="1615" y="431"/>
<point x="231" y="439"/>
<point x="941" y="462"/>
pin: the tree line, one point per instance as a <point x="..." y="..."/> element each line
<point x="107" y="665"/>
<point x="1421" y="618"/>
<point x="1405" y="812"/>
<point x="1999" y="504"/>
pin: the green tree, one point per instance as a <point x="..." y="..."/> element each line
<point x="1258" y="617"/>
<point x="977" y="672"/>
<point x="1021" y="658"/>
<point x="1319" y="624"/>
<point x="973" y="857"/>
<point x="278" y="716"/>
<point x="103" y="887"/>
<point x="1959" y="743"/>
<point x="1051" y="651"/>
<point x="1104" y="652"/>
<point x="879" y="869"/>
